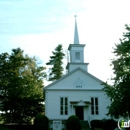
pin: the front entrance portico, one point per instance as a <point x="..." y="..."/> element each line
<point x="80" y="109"/>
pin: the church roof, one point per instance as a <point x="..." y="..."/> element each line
<point x="75" y="45"/>
<point x="70" y="73"/>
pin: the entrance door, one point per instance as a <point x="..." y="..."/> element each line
<point x="79" y="112"/>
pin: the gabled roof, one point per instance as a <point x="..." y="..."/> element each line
<point x="72" y="72"/>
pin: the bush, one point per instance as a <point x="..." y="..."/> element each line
<point x="96" y="124"/>
<point x="111" y="124"/>
<point x="41" y="122"/>
<point x="73" y="123"/>
<point x="104" y="123"/>
<point x="3" y="128"/>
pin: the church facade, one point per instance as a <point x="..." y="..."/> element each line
<point x="78" y="92"/>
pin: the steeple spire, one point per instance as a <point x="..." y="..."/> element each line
<point x="76" y="37"/>
<point x="76" y="53"/>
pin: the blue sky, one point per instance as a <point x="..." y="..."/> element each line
<point x="38" y="26"/>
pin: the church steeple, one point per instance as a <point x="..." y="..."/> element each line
<point x="76" y="36"/>
<point x="76" y="53"/>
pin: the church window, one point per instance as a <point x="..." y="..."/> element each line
<point x="64" y="106"/>
<point x="94" y="106"/>
<point x="77" y="55"/>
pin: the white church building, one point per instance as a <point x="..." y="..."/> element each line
<point x="78" y="92"/>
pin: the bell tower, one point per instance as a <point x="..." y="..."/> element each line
<point x="76" y="53"/>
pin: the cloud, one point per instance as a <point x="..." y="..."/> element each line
<point x="25" y="17"/>
<point x="31" y="16"/>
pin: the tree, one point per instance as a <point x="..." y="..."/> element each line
<point x="119" y="92"/>
<point x="56" y="63"/>
<point x="21" y="85"/>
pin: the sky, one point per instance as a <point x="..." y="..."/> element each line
<point x="38" y="26"/>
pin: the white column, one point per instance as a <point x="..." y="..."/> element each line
<point x="72" y="110"/>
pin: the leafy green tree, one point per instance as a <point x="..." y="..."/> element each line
<point x="21" y="85"/>
<point x="56" y="63"/>
<point x="119" y="92"/>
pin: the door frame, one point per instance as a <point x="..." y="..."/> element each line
<point x="79" y="112"/>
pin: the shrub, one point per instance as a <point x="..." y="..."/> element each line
<point x="96" y="124"/>
<point x="3" y="128"/>
<point x="111" y="124"/>
<point x="73" y="123"/>
<point x="41" y="122"/>
<point x="104" y="123"/>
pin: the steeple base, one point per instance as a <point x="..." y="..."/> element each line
<point x="72" y="66"/>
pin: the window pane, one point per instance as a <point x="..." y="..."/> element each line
<point x="66" y="101"/>
<point x="96" y="108"/>
<point x="61" y="108"/>
<point x="77" y="55"/>
<point x="96" y="101"/>
<point x="61" y="101"/>
<point x="92" y="112"/>
<point x="66" y="112"/>
<point x="96" y="112"/>
<point x="92" y="108"/>
<point x="92" y="101"/>
<point x="61" y="112"/>
<point x="64" y="106"/>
